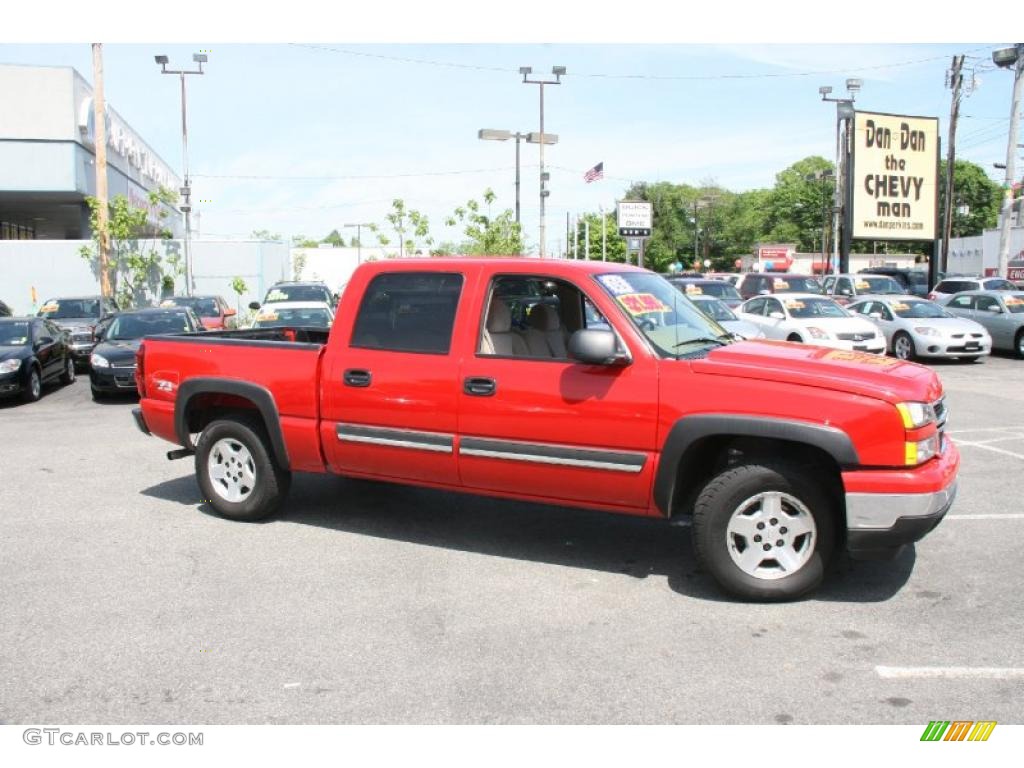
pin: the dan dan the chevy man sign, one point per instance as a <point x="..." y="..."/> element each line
<point x="895" y="176"/>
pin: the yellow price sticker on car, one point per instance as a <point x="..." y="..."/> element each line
<point x="53" y="306"/>
<point x="167" y="303"/>
<point x="781" y="284"/>
<point x="863" y="285"/>
<point x="794" y="304"/>
<point x="1012" y="301"/>
<point x="267" y="316"/>
<point x="641" y="303"/>
<point x="899" y="307"/>
<point x="695" y="289"/>
<point x="276" y="295"/>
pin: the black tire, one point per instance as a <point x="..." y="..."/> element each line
<point x="1018" y="343"/>
<point x="727" y="494"/>
<point x="98" y="394"/>
<point x="902" y="339"/>
<point x="68" y="377"/>
<point x="971" y="359"/>
<point x="795" y="337"/>
<point x="33" y="387"/>
<point x="271" y="483"/>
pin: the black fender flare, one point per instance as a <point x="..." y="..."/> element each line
<point x="260" y="396"/>
<point x="690" y="429"/>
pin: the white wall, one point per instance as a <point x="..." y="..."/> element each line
<point x="55" y="268"/>
<point x="335" y="265"/>
<point x="38" y="103"/>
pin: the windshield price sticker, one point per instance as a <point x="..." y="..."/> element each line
<point x="1012" y="301"/>
<point x="781" y="284"/>
<point x="53" y="306"/>
<point x="694" y="289"/>
<point x="641" y="303"/>
<point x="794" y="304"/>
<point x="276" y="295"/>
<point x="615" y="284"/>
<point x="167" y="303"/>
<point x="899" y="307"/>
<point x="268" y="316"/>
<point x="863" y="285"/>
<point x="861" y="357"/>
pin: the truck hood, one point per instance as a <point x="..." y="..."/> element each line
<point x="858" y="373"/>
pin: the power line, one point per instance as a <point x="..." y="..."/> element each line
<point x="268" y="177"/>
<point x="624" y="76"/>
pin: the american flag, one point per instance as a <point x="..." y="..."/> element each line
<point x="594" y="174"/>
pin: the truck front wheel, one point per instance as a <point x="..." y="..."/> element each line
<point x="235" y="470"/>
<point x="765" y="530"/>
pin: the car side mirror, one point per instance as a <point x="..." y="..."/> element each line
<point x="229" y="312"/>
<point x="777" y="315"/>
<point x="43" y="341"/>
<point x="876" y="315"/>
<point x="254" y="305"/>
<point x="595" y="347"/>
<point x="996" y="309"/>
<point x="764" y="292"/>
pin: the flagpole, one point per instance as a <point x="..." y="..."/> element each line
<point x="604" y="235"/>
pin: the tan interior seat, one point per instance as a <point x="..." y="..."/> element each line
<point x="499" y="338"/>
<point x="546" y="337"/>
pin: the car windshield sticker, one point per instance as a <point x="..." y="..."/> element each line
<point x="696" y="289"/>
<point x="20" y="341"/>
<point x="794" y="304"/>
<point x="899" y="307"/>
<point x="781" y="284"/>
<point x="863" y="285"/>
<point x="881" y="361"/>
<point x="276" y="295"/>
<point x="616" y="284"/>
<point x="641" y="303"/>
<point x="52" y="306"/>
<point x="167" y="303"/>
<point x="1012" y="301"/>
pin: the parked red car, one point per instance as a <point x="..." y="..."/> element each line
<point x="570" y="383"/>
<point x="214" y="312"/>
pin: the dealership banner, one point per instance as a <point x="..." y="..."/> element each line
<point x="894" y="176"/>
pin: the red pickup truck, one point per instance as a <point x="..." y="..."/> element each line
<point x="573" y="383"/>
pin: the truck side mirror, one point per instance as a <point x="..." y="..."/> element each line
<point x="594" y="347"/>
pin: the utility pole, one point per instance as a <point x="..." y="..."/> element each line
<point x="544" y="176"/>
<point x="1004" y="58"/>
<point x="604" y="235"/>
<point x="586" y="239"/>
<point x="99" y="111"/>
<point x="955" y="83"/>
<point x="568" y="246"/>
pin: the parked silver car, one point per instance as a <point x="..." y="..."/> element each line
<point x="719" y="311"/>
<point x="953" y="285"/>
<point x="915" y="327"/>
<point x="1001" y="312"/>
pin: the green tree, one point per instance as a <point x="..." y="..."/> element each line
<point x="334" y="238"/>
<point x="265" y="234"/>
<point x="615" y="245"/>
<point x="137" y="269"/>
<point x="800" y="204"/>
<point x="301" y="241"/>
<point x="239" y="287"/>
<point x="976" y="198"/>
<point x="487" y="234"/>
<point x="406" y="220"/>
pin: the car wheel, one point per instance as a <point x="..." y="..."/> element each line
<point x="794" y="337"/>
<point x="1018" y="343"/>
<point x="235" y="470"/>
<point x="765" y="531"/>
<point x="903" y="346"/>
<point x="68" y="377"/>
<point x="34" y="390"/>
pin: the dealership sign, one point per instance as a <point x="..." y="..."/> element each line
<point x="124" y="142"/>
<point x="634" y="218"/>
<point x="894" y="177"/>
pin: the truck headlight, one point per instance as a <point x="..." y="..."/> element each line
<point x="10" y="366"/>
<point x="915" y="415"/>
<point x="98" y="361"/>
<point x="919" y="452"/>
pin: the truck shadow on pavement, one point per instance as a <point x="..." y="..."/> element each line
<point x="574" y="538"/>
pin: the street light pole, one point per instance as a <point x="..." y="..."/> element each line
<point x="844" y="115"/>
<point x="186" y="190"/>
<point x="1010" y="57"/>
<point x="491" y="134"/>
<point x="557" y="72"/>
<point x="359" y="240"/>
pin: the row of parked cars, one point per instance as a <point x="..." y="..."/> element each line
<point x="79" y="333"/>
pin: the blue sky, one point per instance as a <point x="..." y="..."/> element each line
<point x="281" y="110"/>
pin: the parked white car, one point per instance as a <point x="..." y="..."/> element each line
<point x="812" y="319"/>
<point x="294" y="314"/>
<point x="719" y="311"/>
<point x="915" y="327"/>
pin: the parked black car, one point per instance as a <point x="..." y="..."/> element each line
<point x="80" y="315"/>
<point x="112" y="363"/>
<point x="33" y="352"/>
<point x="915" y="281"/>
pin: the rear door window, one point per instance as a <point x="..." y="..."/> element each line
<point x="408" y="312"/>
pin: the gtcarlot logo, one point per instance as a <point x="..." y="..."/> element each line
<point x="54" y="736"/>
<point x="958" y="730"/>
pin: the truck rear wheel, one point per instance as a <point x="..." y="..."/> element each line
<point x="236" y="472"/>
<point x="764" y="530"/>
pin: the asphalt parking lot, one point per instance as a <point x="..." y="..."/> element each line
<point x="125" y="600"/>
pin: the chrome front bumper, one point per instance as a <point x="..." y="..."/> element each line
<point x="880" y="511"/>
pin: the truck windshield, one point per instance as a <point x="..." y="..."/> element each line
<point x="670" y="321"/>
<point x="61" y="309"/>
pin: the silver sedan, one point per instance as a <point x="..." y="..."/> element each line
<point x="915" y="327"/>
<point x="719" y="311"/>
<point x="1001" y="312"/>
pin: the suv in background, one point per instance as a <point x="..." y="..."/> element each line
<point x="719" y="289"/>
<point x="914" y="281"/>
<point x="951" y="285"/>
<point x="847" y="288"/>
<point x="214" y="312"/>
<point x="79" y="316"/>
<point x="298" y="290"/>
<point x="753" y="284"/>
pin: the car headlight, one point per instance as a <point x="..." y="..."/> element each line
<point x="915" y="415"/>
<point x="920" y="451"/>
<point x="925" y="330"/>
<point x="98" y="361"/>
<point x="10" y="366"/>
<point x="817" y="333"/>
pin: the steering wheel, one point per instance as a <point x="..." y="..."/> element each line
<point x="646" y="323"/>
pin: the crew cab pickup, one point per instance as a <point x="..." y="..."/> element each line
<point x="571" y="383"/>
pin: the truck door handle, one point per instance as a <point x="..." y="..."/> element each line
<point x="479" y="386"/>
<point x="355" y="377"/>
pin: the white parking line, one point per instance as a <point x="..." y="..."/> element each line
<point x="956" y="673"/>
<point x="981" y="429"/>
<point x="988" y="440"/>
<point x="990" y="448"/>
<point x="1008" y="516"/>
